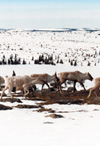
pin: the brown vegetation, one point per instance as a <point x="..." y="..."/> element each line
<point x="51" y="97"/>
<point x="48" y="96"/>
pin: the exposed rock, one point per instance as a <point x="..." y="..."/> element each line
<point x="12" y="100"/>
<point x="96" y="110"/>
<point x="27" y="106"/>
<point x="3" y="107"/>
<point x="55" y="116"/>
<point x="48" y="123"/>
<point x="72" y="111"/>
<point x="46" y="109"/>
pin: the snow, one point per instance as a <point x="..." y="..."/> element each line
<point x="79" y="45"/>
<point x="80" y="125"/>
<point x="27" y="127"/>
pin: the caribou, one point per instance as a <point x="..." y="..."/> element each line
<point x="45" y="78"/>
<point x="75" y="76"/>
<point x="31" y="84"/>
<point x="95" y="88"/>
<point x="24" y="83"/>
<point x="15" y="82"/>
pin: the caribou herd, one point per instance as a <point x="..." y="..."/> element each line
<point x="26" y="82"/>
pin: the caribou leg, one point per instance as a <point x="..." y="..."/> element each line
<point x="3" y="91"/>
<point x="44" y="84"/>
<point x="94" y="89"/>
<point x="74" y="85"/>
<point x="10" y="89"/>
<point x="82" y="85"/>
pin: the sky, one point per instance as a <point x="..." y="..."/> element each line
<point x="34" y="14"/>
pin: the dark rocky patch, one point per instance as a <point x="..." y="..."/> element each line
<point x="55" y="116"/>
<point x="96" y="110"/>
<point x="3" y="107"/>
<point x="72" y="111"/>
<point x="46" y="109"/>
<point x="27" y="106"/>
<point x="12" y="100"/>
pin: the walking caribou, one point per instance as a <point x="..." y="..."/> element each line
<point x="45" y="77"/>
<point x="75" y="76"/>
<point x="25" y="82"/>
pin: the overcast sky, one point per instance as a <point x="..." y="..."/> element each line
<point x="49" y="14"/>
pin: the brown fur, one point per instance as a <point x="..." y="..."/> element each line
<point x="45" y="78"/>
<point x="29" y="85"/>
<point x="75" y="76"/>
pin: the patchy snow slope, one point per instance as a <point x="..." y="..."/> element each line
<point x="80" y="125"/>
<point x="82" y="46"/>
<point x="27" y="127"/>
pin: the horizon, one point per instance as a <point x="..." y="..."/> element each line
<point x="51" y="29"/>
<point x="42" y="14"/>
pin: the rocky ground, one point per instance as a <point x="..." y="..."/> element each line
<point x="47" y="97"/>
